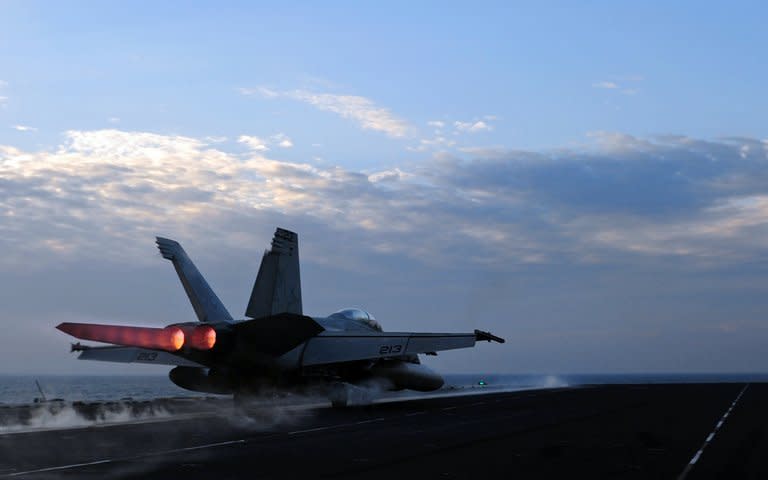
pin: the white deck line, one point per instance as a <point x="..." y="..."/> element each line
<point x="711" y="436"/>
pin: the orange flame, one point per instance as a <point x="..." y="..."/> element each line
<point x="201" y="337"/>
<point x="168" y="338"/>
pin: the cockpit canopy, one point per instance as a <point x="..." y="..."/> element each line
<point x="357" y="315"/>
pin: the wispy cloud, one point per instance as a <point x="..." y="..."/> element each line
<point x="388" y="176"/>
<point x="24" y="128"/>
<point x="262" y="91"/>
<point x="626" y="85"/>
<point x="360" y="109"/>
<point x="606" y="85"/>
<point x="113" y="120"/>
<point x="446" y="135"/>
<point x="472" y="127"/>
<point x="437" y="142"/>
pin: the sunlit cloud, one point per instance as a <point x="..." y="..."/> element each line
<point x="360" y="109"/>
<point x="261" y="144"/>
<point x="620" y="199"/>
<point x="254" y="143"/>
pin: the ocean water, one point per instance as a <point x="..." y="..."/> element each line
<point x="21" y="389"/>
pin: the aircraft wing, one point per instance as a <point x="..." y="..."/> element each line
<point x="337" y="347"/>
<point x="132" y="355"/>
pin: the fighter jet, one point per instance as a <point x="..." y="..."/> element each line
<point x="277" y="347"/>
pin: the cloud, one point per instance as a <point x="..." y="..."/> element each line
<point x="113" y="120"/>
<point x="262" y="145"/>
<point x="263" y="91"/>
<point x="621" y="87"/>
<point x="254" y="143"/>
<point x="388" y="176"/>
<point x="472" y="127"/>
<point x="437" y="142"/>
<point x="359" y="109"/>
<point x="606" y="85"/>
<point x="281" y="140"/>
<point x="440" y="142"/>
<point x="24" y="128"/>
<point x="619" y="198"/>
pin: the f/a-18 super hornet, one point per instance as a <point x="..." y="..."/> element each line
<point x="277" y="346"/>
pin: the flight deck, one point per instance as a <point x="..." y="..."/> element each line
<point x="621" y="431"/>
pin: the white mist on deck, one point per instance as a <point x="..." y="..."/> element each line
<point x="65" y="416"/>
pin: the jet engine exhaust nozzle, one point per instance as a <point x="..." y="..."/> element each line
<point x="201" y="337"/>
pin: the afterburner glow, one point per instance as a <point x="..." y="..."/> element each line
<point x="168" y="338"/>
<point x="202" y="337"/>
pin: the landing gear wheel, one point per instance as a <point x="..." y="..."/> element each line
<point x="339" y="395"/>
<point x="339" y="403"/>
<point x="240" y="401"/>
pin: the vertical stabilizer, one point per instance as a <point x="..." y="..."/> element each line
<point x="207" y="305"/>
<point x="278" y="284"/>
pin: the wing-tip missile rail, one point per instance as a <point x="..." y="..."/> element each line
<point x="487" y="336"/>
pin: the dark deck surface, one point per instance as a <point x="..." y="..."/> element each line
<point x="628" y="431"/>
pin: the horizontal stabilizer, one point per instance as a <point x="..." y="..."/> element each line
<point x="207" y="305"/>
<point x="333" y="347"/>
<point x="134" y="355"/>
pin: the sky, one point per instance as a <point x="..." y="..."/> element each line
<point x="588" y="181"/>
